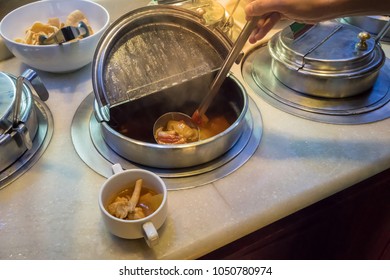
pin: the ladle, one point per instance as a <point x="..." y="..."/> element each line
<point x="163" y="120"/>
<point x="382" y="32"/>
<point x="65" y="34"/>
<point x="216" y="84"/>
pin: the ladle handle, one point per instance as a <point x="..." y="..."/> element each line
<point x="227" y="65"/>
<point x="382" y="32"/>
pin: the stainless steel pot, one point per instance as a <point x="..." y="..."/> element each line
<point x="138" y="77"/>
<point x="130" y="130"/>
<point x="325" y="61"/>
<point x="18" y="119"/>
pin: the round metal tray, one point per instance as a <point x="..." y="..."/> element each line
<point x="367" y="107"/>
<point x="90" y="146"/>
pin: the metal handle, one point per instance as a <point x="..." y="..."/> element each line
<point x="22" y="136"/>
<point x="227" y="65"/>
<point x="35" y="84"/>
<point x="18" y="97"/>
<point x="362" y="44"/>
<point x="382" y="32"/>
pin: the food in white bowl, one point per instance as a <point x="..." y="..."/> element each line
<point x="136" y="201"/>
<point x="129" y="213"/>
<point x="65" y="57"/>
<point x="39" y="32"/>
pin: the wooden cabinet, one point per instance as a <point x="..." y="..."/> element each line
<point x="352" y="224"/>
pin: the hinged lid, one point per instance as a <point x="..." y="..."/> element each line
<point x="7" y="99"/>
<point x="152" y="48"/>
<point x="326" y="48"/>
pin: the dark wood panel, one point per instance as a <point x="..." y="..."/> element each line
<point x="352" y="224"/>
<point x="7" y="6"/>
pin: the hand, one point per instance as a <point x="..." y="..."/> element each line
<point x="308" y="11"/>
<point x="264" y="25"/>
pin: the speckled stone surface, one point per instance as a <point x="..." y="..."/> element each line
<point x="51" y="212"/>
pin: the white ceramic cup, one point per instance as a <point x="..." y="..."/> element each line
<point x="133" y="229"/>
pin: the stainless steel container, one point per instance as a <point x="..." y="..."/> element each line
<point x="130" y="98"/>
<point x="18" y="119"/>
<point x="325" y="61"/>
<point x="130" y="130"/>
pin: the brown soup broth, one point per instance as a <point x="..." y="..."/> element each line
<point x="148" y="205"/>
<point x="135" y="119"/>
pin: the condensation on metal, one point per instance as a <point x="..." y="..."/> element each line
<point x="159" y="57"/>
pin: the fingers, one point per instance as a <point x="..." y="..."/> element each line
<point x="252" y="37"/>
<point x="264" y="25"/>
<point x="259" y="7"/>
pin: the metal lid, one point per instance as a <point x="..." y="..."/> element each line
<point x="152" y="48"/>
<point x="372" y="24"/>
<point x="8" y="99"/>
<point x="327" y="48"/>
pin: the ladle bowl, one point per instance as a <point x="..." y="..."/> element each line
<point x="163" y="120"/>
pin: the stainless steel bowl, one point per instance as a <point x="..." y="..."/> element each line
<point x="324" y="61"/>
<point x="130" y="129"/>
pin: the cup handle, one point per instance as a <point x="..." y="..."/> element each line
<point x="117" y="168"/>
<point x="150" y="234"/>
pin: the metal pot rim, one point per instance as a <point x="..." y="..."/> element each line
<point x="151" y="154"/>
<point x="194" y="144"/>
<point x="287" y="51"/>
<point x="375" y="65"/>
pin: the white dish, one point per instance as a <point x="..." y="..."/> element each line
<point x="145" y="227"/>
<point x="66" y="57"/>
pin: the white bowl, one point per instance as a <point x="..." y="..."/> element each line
<point x="66" y="57"/>
<point x="133" y="229"/>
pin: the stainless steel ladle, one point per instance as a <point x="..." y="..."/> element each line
<point x="382" y="32"/>
<point x="65" y="34"/>
<point x="215" y="86"/>
<point x="163" y="120"/>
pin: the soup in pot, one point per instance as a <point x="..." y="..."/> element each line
<point x="135" y="119"/>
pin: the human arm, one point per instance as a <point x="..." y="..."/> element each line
<point x="271" y="11"/>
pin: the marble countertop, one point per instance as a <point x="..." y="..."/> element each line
<point x="51" y="211"/>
